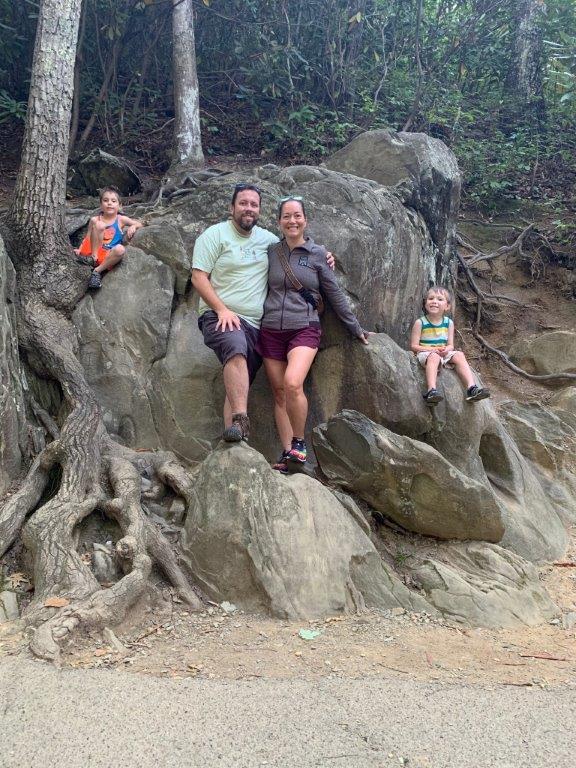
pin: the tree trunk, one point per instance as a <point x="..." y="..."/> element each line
<point x="94" y="472"/>
<point x="524" y="83"/>
<point x="188" y="155"/>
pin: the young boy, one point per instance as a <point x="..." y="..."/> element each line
<point x="102" y="247"/>
<point x="432" y="341"/>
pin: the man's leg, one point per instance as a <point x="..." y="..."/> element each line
<point x="236" y="384"/>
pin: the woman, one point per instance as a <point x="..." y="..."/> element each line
<point x="290" y="331"/>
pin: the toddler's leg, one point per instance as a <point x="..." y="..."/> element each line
<point x="463" y="370"/>
<point x="432" y="365"/>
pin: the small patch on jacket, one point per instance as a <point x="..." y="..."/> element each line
<point x="303" y="260"/>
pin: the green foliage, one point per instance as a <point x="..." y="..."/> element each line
<point x="298" y="79"/>
<point x="10" y="109"/>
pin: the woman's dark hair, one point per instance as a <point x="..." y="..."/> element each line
<point x="291" y="199"/>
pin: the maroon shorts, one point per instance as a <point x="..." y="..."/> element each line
<point x="275" y="345"/>
<point x="228" y="344"/>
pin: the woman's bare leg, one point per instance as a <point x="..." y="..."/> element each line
<point x="300" y="360"/>
<point x="275" y="370"/>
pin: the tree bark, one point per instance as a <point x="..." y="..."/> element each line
<point x="188" y="155"/>
<point x="524" y="83"/>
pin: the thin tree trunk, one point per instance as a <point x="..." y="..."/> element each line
<point x="524" y="83"/>
<point x="188" y="153"/>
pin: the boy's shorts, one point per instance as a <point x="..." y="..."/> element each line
<point x="444" y="361"/>
<point x="275" y="345"/>
<point x="228" y="344"/>
<point x="86" y="250"/>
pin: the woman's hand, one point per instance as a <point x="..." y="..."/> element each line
<point x="365" y="336"/>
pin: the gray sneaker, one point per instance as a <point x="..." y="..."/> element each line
<point x="95" y="280"/>
<point x="238" y="430"/>
<point x="473" y="394"/>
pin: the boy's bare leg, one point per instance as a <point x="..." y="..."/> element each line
<point x="96" y="237"/>
<point x="432" y="365"/>
<point x="112" y="258"/>
<point x="463" y="369"/>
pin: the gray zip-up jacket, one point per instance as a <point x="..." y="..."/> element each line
<point x="285" y="309"/>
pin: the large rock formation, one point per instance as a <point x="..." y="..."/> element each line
<point x="483" y="585"/>
<point x="421" y="171"/>
<point x="288" y="545"/>
<point x="413" y="484"/>
<point x="13" y="434"/>
<point x="282" y="544"/>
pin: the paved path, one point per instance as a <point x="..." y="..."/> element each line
<point x="94" y="719"/>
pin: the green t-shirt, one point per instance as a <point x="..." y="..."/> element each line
<point x="238" y="268"/>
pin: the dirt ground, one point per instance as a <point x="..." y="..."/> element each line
<point x="225" y="643"/>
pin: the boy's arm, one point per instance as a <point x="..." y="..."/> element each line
<point x="132" y="224"/>
<point x="450" y="346"/>
<point x="415" y="345"/>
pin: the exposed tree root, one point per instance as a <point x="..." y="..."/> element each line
<point x="96" y="474"/>
<point x="566" y="377"/>
<point x="516" y="249"/>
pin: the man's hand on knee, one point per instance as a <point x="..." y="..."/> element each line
<point x="227" y="320"/>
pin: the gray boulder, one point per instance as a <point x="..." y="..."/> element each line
<point x="281" y="544"/>
<point x="421" y="170"/>
<point x="483" y="585"/>
<point x="407" y="480"/>
<point x="100" y="169"/>
<point x="13" y="428"/>
<point x="547" y="353"/>
<point x="547" y="439"/>
<point x="123" y="329"/>
<point x="165" y="244"/>
<point x="372" y="462"/>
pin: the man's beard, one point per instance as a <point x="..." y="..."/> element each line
<point x="247" y="226"/>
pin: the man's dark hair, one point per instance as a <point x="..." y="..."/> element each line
<point x="242" y="187"/>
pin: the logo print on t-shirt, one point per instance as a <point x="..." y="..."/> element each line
<point x="248" y="254"/>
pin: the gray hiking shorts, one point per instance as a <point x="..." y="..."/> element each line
<point x="228" y="344"/>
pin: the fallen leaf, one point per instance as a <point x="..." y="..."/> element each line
<point x="56" y="602"/>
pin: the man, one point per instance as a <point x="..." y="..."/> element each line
<point x="230" y="273"/>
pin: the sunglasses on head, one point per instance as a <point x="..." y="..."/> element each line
<point x="243" y="185"/>
<point x="296" y="198"/>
